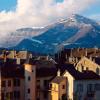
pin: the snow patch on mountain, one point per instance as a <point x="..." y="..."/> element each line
<point x="75" y="31"/>
<point x="14" y="38"/>
<point x="34" y="40"/>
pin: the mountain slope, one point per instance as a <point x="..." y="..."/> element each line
<point x="76" y="31"/>
<point x="14" y="38"/>
<point x="71" y="30"/>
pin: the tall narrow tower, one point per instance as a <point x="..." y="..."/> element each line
<point x="30" y="80"/>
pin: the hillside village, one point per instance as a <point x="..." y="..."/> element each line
<point x="71" y="74"/>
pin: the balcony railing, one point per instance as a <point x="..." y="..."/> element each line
<point x="91" y="93"/>
<point x="43" y="88"/>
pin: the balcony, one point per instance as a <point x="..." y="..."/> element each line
<point x="91" y="94"/>
<point x="43" y="89"/>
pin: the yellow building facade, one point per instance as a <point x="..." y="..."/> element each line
<point x="58" y="88"/>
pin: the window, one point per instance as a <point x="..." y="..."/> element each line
<point x="38" y="84"/>
<point x="9" y="83"/>
<point x="3" y="83"/>
<point x="38" y="94"/>
<point x="50" y="86"/>
<point x="17" y="94"/>
<point x="16" y="82"/>
<point x="38" y="81"/>
<point x="82" y="68"/>
<point x="87" y="68"/>
<point x="79" y="87"/>
<point x="2" y="96"/>
<point x="28" y="91"/>
<point x="63" y="86"/>
<point x="11" y="95"/>
<point x="90" y="88"/>
<point x="78" y="68"/>
<point x="29" y="78"/>
<point x="38" y="99"/>
<point x="45" y="95"/>
<point x="64" y="97"/>
<point x="7" y="94"/>
<point x="97" y="71"/>
<point x="97" y="87"/>
<point x="45" y="83"/>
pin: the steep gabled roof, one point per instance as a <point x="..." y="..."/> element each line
<point x="85" y="75"/>
<point x="86" y="59"/>
<point x="11" y="70"/>
<point x="58" y="79"/>
<point x="97" y="60"/>
<point x="46" y="72"/>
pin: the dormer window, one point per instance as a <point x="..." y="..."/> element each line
<point x="16" y="82"/>
<point x="79" y="87"/>
<point x="63" y="86"/>
<point x="50" y="86"/>
<point x="28" y="90"/>
<point x="32" y="70"/>
<point x="3" y="83"/>
<point x="87" y="68"/>
<point x="97" y="71"/>
<point x="82" y="68"/>
<point x="78" y="68"/>
<point x="9" y="83"/>
<point x="29" y="78"/>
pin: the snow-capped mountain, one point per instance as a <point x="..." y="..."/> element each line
<point x="75" y="31"/>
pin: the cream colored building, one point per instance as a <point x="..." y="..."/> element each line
<point x="87" y="64"/>
<point x="82" y="85"/>
<point x="70" y="85"/>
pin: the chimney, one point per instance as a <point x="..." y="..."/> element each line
<point x="94" y="60"/>
<point x="66" y="55"/>
<point x="71" y="53"/>
<point x="14" y="54"/>
<point x="91" y="58"/>
<point x="18" y="61"/>
<point x="78" y="49"/>
<point x="59" y="56"/>
<point x="95" y="50"/>
<point x="58" y="72"/>
<point x="86" y="52"/>
<point x="30" y="55"/>
<point x="76" y="59"/>
<point x="47" y="57"/>
<point x="4" y="56"/>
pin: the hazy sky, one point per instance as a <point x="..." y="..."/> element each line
<point x="30" y="13"/>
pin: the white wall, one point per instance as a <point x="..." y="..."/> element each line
<point x="70" y="83"/>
